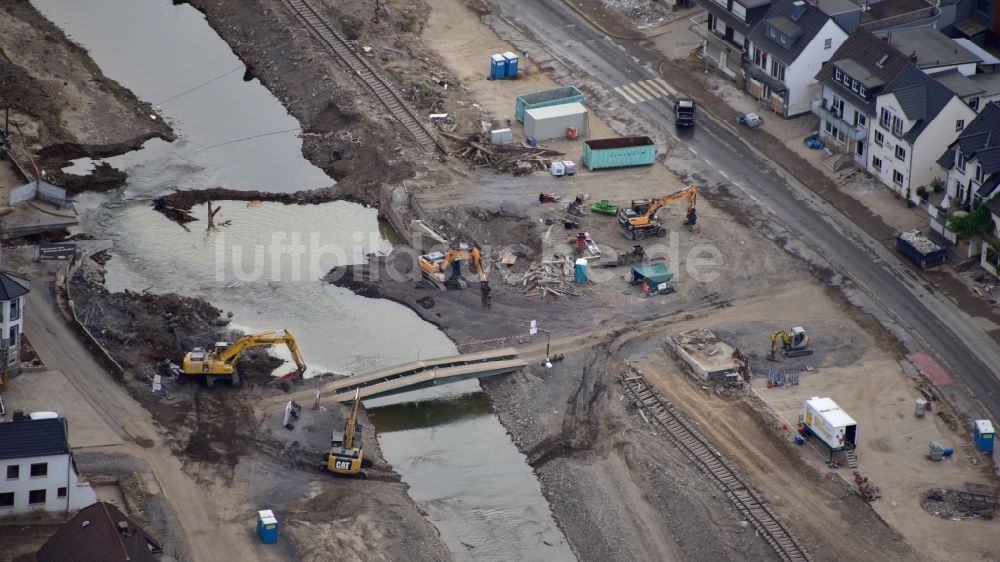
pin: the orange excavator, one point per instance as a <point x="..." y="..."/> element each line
<point x="443" y="270"/>
<point x="640" y="220"/>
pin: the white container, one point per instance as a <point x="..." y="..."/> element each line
<point x="833" y="426"/>
<point x="558" y="169"/>
<point x="553" y="121"/>
<point x="501" y="136"/>
<point x="570" y="167"/>
<point x="921" y="408"/>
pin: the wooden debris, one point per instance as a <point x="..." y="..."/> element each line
<point x="502" y="158"/>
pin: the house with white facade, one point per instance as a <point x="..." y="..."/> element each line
<point x="917" y="117"/>
<point x="786" y="49"/>
<point x="728" y="23"/>
<point x="37" y="470"/>
<point x="990" y="257"/>
<point x="13" y="293"/>
<point x="849" y="83"/>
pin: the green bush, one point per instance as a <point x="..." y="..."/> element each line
<point x="977" y="223"/>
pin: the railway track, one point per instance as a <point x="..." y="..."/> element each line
<point x="333" y="40"/>
<point x="699" y="450"/>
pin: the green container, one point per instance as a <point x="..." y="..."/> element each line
<point x="545" y="98"/>
<point x="604" y="207"/>
<point x="599" y="154"/>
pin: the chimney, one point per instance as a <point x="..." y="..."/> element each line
<point x="123" y="528"/>
<point x="798" y="8"/>
<point x="913" y="57"/>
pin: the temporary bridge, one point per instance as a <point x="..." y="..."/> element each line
<point x="426" y="373"/>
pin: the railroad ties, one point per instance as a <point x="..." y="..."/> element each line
<point x="699" y="450"/>
<point x="333" y="40"/>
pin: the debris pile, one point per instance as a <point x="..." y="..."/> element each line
<point x="503" y="158"/>
<point x="546" y="278"/>
<point x="868" y="491"/>
<point x="958" y="505"/>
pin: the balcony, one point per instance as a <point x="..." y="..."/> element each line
<point x="851" y="131"/>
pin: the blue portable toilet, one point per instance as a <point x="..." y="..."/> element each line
<point x="984" y="436"/>
<point x="580" y="271"/>
<point x="267" y="526"/>
<point x="498" y="67"/>
<point x="511" y="59"/>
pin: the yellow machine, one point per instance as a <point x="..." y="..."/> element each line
<point x="220" y="360"/>
<point x="794" y="343"/>
<point x="443" y="270"/>
<point x="346" y="456"/>
<point x="640" y="221"/>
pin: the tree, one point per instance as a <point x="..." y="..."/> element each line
<point x="977" y="223"/>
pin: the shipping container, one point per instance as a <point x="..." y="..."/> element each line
<point x="823" y="418"/>
<point x="498" y="67"/>
<point x="920" y="249"/>
<point x="511" y="59"/>
<point x="618" y="153"/>
<point x="552" y="122"/>
<point x="556" y="96"/>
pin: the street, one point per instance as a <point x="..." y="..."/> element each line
<point x="809" y="226"/>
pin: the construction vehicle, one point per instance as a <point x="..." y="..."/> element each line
<point x="684" y="110"/>
<point x="220" y="360"/>
<point x="640" y="220"/>
<point x="794" y="343"/>
<point x="443" y="270"/>
<point x="346" y="456"/>
<point x="605" y="207"/>
<point x="637" y="255"/>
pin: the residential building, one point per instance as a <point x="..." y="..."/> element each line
<point x="850" y="83"/>
<point x="37" y="470"/>
<point x="100" y="533"/>
<point x="972" y="162"/>
<point x="13" y="290"/>
<point x="785" y="51"/>
<point x="932" y="51"/>
<point x="977" y="91"/>
<point x="990" y="257"/>
<point x="917" y="118"/>
<point x="728" y="24"/>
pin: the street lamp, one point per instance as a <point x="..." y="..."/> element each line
<point x="548" y="340"/>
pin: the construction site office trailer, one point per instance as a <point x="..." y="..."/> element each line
<point x="823" y="418"/>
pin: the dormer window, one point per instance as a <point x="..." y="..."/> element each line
<point x="862" y="91"/>
<point x="739" y="11"/>
<point x="856" y="86"/>
<point x="838" y="75"/>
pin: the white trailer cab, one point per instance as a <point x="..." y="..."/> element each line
<point x="823" y="418"/>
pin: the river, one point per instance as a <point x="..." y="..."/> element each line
<point x="264" y="266"/>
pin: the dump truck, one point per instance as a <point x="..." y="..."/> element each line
<point x="684" y="110"/>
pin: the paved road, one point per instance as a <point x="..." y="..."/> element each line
<point x="920" y="317"/>
<point x="209" y="538"/>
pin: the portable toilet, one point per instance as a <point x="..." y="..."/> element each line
<point x="511" y="59"/>
<point x="580" y="271"/>
<point x="498" y="67"/>
<point x="267" y="526"/>
<point x="984" y="436"/>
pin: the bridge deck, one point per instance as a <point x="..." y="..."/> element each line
<point x="432" y="377"/>
<point x="413" y="367"/>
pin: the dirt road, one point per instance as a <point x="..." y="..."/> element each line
<point x="209" y="536"/>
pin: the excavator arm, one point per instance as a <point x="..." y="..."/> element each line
<point x="232" y="353"/>
<point x="437" y="271"/>
<point x="644" y="219"/>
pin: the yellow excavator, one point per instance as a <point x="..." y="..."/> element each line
<point x="640" y="221"/>
<point x="346" y="456"/>
<point x="220" y="360"/>
<point x="793" y="343"/>
<point x="443" y="270"/>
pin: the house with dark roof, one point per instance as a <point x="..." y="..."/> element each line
<point x="972" y="162"/>
<point x="786" y="49"/>
<point x="100" y="533"/>
<point x="977" y="91"/>
<point x="727" y="28"/>
<point x="917" y="118"/>
<point x="37" y="470"/>
<point x="932" y="51"/>
<point x="850" y="82"/>
<point x="13" y="293"/>
<point x="990" y="257"/>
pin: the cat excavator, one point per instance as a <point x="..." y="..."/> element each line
<point x="346" y="456"/>
<point x="639" y="220"/>
<point x="443" y="270"/>
<point x="220" y="360"/>
<point x="794" y="343"/>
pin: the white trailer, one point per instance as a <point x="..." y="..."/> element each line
<point x="823" y="418"/>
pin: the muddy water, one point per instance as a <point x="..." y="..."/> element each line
<point x="265" y="263"/>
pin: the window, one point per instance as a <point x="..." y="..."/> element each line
<point x="984" y="6"/>
<point x="860" y="119"/>
<point x="61" y="492"/>
<point x="856" y="86"/>
<point x="897" y="126"/>
<point x="36" y="496"/>
<point x="15" y="309"/>
<point x="838" y="75"/>
<point x="777" y="70"/>
<point x="40" y="469"/>
<point x="961" y="162"/>
<point x="772" y="32"/>
<point x="7" y="499"/>
<point x="13" y="472"/>
<point x="960" y="124"/>
<point x="758" y="57"/>
<point x="979" y="173"/>
<point x="897" y="178"/>
<point x="862" y="91"/>
<point x="974" y="103"/>
<point x="837" y="107"/>
<point x="739" y="11"/>
<point x="885" y="118"/>
<point x="900" y="152"/>
<point x="827" y="43"/>
<point x="13" y="335"/>
<point x="877" y="163"/>
<point x="879" y="138"/>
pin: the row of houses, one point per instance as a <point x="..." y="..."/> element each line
<point x="907" y="104"/>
